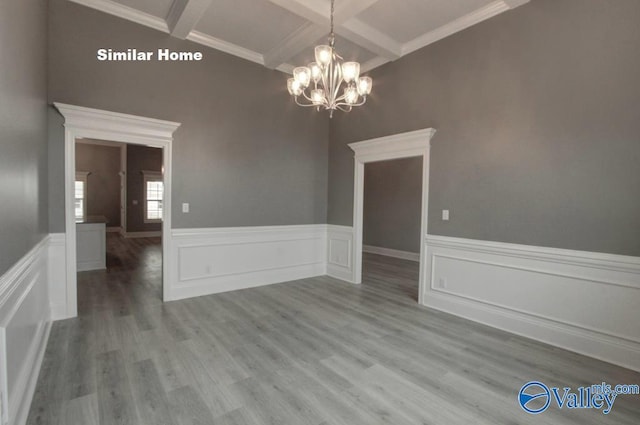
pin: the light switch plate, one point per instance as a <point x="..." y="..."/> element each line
<point x="185" y="207"/>
<point x="445" y="215"/>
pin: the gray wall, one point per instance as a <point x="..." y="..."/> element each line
<point x="103" y="184"/>
<point x="140" y="158"/>
<point x="244" y="155"/>
<point x="23" y="128"/>
<point x="537" y="112"/>
<point x="392" y="204"/>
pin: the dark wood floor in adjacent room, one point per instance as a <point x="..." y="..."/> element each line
<point x="315" y="351"/>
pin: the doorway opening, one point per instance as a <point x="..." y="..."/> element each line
<point x="118" y="210"/>
<point x="391" y="225"/>
<point x="95" y="124"/>
<point x="404" y="145"/>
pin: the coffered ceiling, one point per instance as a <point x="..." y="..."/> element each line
<point x="281" y="34"/>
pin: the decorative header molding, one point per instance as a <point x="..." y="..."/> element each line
<point x="78" y="117"/>
<point x="401" y="145"/>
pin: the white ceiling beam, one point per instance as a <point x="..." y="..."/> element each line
<point x="318" y="15"/>
<point x="310" y="12"/>
<point x="225" y="46"/>
<point x="492" y="9"/>
<point x="370" y="38"/>
<point x="184" y="15"/>
<point x="295" y="42"/>
<point x="515" y="3"/>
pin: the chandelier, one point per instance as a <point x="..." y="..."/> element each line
<point x="328" y="83"/>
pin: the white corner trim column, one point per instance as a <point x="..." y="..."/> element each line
<point x="403" y="145"/>
<point x="91" y="123"/>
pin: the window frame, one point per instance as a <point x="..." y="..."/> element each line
<point x="151" y="176"/>
<point x="81" y="176"/>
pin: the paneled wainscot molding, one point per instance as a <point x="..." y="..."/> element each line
<point x="25" y="323"/>
<point x="582" y="301"/>
<point x="340" y="252"/>
<point x="212" y="260"/>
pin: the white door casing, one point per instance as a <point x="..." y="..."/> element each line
<point x="403" y="145"/>
<point x="81" y="122"/>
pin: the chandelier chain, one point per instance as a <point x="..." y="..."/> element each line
<point x="331" y="34"/>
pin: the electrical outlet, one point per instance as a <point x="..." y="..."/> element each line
<point x="442" y="283"/>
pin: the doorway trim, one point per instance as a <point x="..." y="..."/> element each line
<point x="403" y="145"/>
<point x="81" y="122"/>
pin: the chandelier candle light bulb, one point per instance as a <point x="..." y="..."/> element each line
<point x="332" y="84"/>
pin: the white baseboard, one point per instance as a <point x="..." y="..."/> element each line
<point x="339" y="252"/>
<point x="581" y="301"/>
<point x="213" y="260"/>
<point x="395" y="253"/>
<point x="25" y="321"/>
<point x="142" y="234"/>
<point x="34" y="357"/>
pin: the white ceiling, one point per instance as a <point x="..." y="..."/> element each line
<point x="281" y="34"/>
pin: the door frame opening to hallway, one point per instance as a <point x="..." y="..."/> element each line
<point x="403" y="145"/>
<point x="81" y="122"/>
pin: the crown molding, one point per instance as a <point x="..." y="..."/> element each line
<point x="373" y="63"/>
<point x="126" y="12"/>
<point x="225" y="46"/>
<point x="287" y="68"/>
<point x="348" y="26"/>
<point x="475" y="17"/>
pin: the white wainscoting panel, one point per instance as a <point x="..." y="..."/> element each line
<point x="339" y="252"/>
<point x="24" y="330"/>
<point x="57" y="276"/>
<point x="212" y="260"/>
<point x="582" y="301"/>
<point x="91" y="246"/>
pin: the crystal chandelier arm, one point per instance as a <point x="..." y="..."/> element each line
<point x="303" y="104"/>
<point x="308" y="98"/>
<point x="304" y="94"/>
<point x="343" y="109"/>
<point x="339" y="102"/>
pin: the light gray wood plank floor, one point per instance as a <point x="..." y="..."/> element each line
<point x="315" y="351"/>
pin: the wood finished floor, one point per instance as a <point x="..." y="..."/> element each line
<point x="314" y="351"/>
